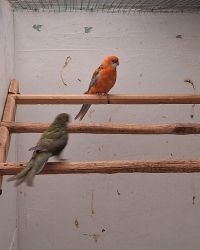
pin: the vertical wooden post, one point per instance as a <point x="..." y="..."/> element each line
<point x="4" y="148"/>
<point x="8" y="116"/>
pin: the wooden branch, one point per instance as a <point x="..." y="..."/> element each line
<point x="4" y="143"/>
<point x="4" y="147"/>
<point x="110" y="99"/>
<point x="109" y="167"/>
<point x="177" y="128"/>
<point x="8" y="116"/>
<point x="14" y="87"/>
<point x="9" y="110"/>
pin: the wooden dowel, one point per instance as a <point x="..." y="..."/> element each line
<point x="109" y="167"/>
<point x="4" y="147"/>
<point x="111" y="99"/>
<point x="177" y="128"/>
<point x="8" y="116"/>
<point x="9" y="110"/>
<point x="14" y="87"/>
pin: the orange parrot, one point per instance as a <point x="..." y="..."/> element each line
<point x="103" y="79"/>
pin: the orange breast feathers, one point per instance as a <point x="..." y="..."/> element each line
<point x="104" y="78"/>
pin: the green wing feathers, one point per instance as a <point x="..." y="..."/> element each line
<point x="51" y="143"/>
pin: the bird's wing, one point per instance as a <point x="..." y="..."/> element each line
<point x="94" y="78"/>
<point x="52" y="140"/>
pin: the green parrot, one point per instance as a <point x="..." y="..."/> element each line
<point x="51" y="143"/>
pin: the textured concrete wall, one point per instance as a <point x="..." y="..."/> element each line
<point x="121" y="211"/>
<point x="8" y="214"/>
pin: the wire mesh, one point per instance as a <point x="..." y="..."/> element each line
<point x="112" y="6"/>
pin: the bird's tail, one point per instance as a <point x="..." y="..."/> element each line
<point x="33" y="167"/>
<point x="83" y="111"/>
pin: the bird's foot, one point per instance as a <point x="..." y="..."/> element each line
<point x="100" y="94"/>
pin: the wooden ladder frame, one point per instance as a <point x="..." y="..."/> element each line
<point x="9" y="126"/>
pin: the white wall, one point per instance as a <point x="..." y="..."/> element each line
<point x="8" y="214"/>
<point x="6" y="50"/>
<point x="121" y="211"/>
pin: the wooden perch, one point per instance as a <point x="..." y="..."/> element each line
<point x="14" y="87"/>
<point x="109" y="167"/>
<point x="107" y="99"/>
<point x="8" y="126"/>
<point x="4" y="145"/>
<point x="4" y="148"/>
<point x="178" y="128"/>
<point x="8" y="116"/>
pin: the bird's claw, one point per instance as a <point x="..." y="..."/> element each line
<point x="100" y="94"/>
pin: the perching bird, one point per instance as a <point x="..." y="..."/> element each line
<point x="103" y="79"/>
<point x="51" y="143"/>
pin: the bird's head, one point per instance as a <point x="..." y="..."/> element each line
<point x="62" y="119"/>
<point x="112" y="60"/>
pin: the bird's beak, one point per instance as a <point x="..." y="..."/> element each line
<point x="118" y="63"/>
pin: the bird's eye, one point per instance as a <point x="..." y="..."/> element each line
<point x="113" y="61"/>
